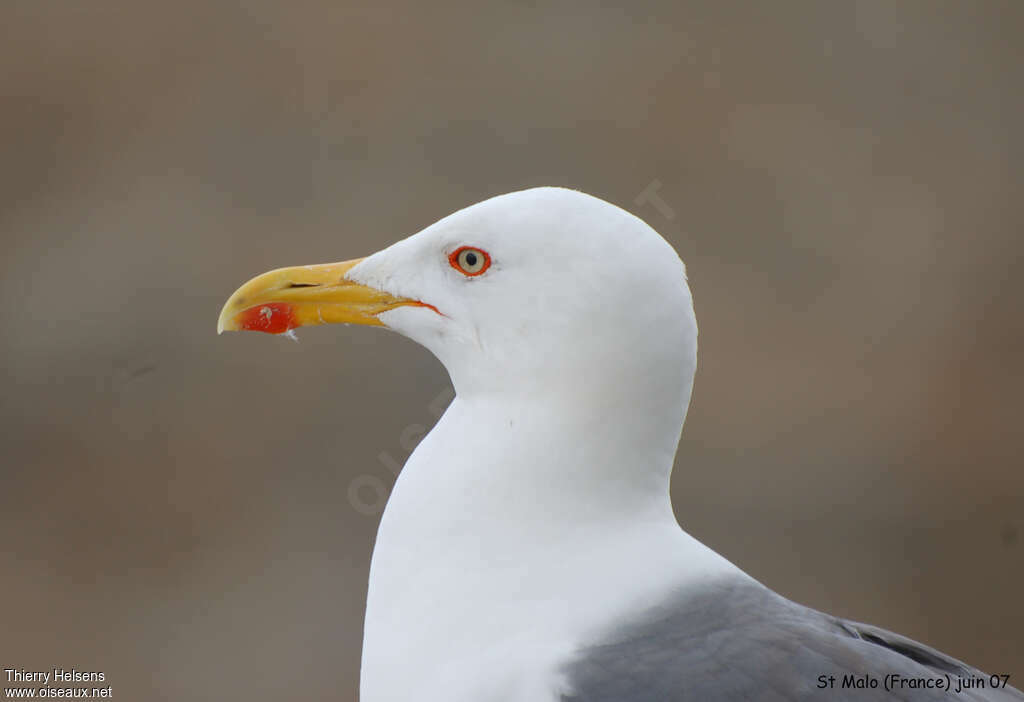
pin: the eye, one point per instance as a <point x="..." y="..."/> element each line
<point x="469" y="261"/>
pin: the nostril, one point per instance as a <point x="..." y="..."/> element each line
<point x="302" y="285"/>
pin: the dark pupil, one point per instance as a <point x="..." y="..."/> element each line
<point x="470" y="259"/>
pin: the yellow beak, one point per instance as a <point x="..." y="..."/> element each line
<point x="286" y="298"/>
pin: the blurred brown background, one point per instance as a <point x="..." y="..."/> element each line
<point x="843" y="179"/>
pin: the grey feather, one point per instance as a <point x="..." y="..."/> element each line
<point x="737" y="640"/>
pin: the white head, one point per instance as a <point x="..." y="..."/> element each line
<point x="557" y="296"/>
<point x="558" y="292"/>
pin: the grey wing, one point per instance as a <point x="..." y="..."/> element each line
<point x="737" y="640"/>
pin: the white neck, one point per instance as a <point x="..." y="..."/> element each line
<point x="499" y="521"/>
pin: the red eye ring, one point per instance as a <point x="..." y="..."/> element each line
<point x="470" y="261"/>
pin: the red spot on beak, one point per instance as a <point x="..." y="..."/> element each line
<point x="272" y="318"/>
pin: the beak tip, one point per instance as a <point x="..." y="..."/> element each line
<point x="223" y="323"/>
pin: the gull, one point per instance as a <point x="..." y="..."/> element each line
<point x="529" y="551"/>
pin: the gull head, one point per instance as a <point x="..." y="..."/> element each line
<point x="546" y="292"/>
